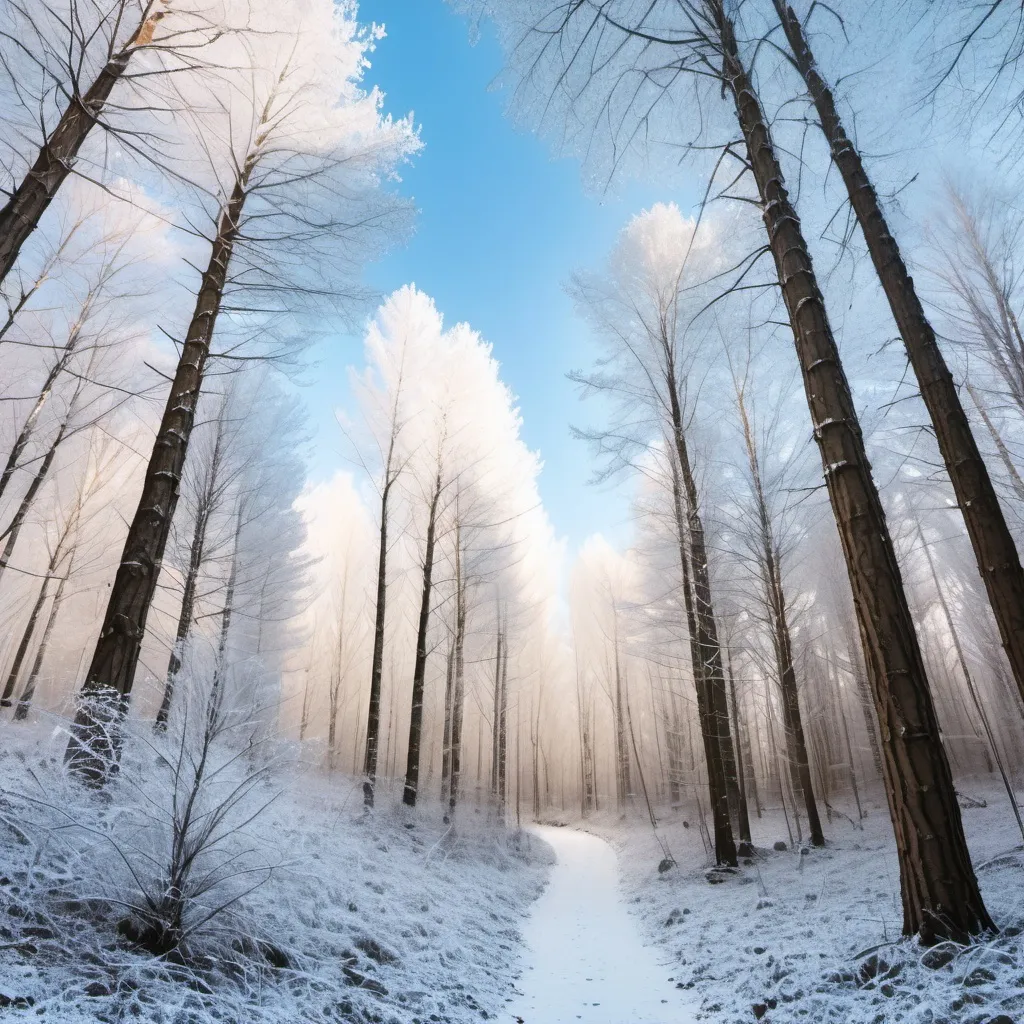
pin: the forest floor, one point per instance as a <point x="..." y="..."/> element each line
<point x="338" y="916"/>
<point x="585" y="960"/>
<point x="805" y="935"/>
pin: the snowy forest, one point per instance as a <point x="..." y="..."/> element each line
<point x="369" y="721"/>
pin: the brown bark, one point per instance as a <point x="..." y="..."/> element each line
<point x="725" y="845"/>
<point x="782" y="641"/>
<point x="21" y="214"/>
<point x="111" y="673"/>
<point x="993" y="544"/>
<point x="412" y="765"/>
<point x="377" y="666"/>
<point x="941" y="899"/>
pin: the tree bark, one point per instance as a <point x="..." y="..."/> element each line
<point x="108" y="684"/>
<point x="27" y="695"/>
<point x="216" y="699"/>
<point x="459" y="694"/>
<point x="941" y="899"/>
<point x="26" y="640"/>
<point x="782" y="641"/>
<point x="725" y="844"/>
<point x="993" y="544"/>
<point x="446" y="740"/>
<point x="377" y="666"/>
<point x="744" y="813"/>
<point x="412" y="764"/>
<point x="997" y="439"/>
<point x="21" y="214"/>
<point x="15" y="525"/>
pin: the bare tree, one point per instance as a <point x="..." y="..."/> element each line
<point x="766" y="557"/>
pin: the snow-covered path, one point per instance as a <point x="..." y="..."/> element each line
<point x="584" y="960"/>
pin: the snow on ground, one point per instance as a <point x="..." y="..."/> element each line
<point x="815" y="936"/>
<point x="389" y="918"/>
<point x="585" y="960"/>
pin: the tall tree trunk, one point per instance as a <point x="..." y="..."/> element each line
<point x="29" y="426"/>
<point x="941" y="899"/>
<point x="997" y="439"/>
<point x="446" y="740"/>
<point x="26" y="640"/>
<point x="377" y="666"/>
<point x="419" y="675"/>
<point x="459" y="693"/>
<point x="216" y="699"/>
<point x="979" y="707"/>
<point x="29" y="692"/>
<point x="185" y="617"/>
<point x="503" y="734"/>
<point x="108" y="683"/>
<point x="725" y="846"/>
<point x="496" y="709"/>
<point x="744" y="813"/>
<point x="15" y="525"/>
<point x="782" y="641"/>
<point x="994" y="547"/>
<point x="621" y="749"/>
<point x="21" y="214"/>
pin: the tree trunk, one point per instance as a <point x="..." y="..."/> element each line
<point x="185" y="616"/>
<point x="412" y="764"/>
<point x="496" y="709"/>
<point x="718" y="789"/>
<point x="782" y="641"/>
<point x="108" y="683"/>
<point x="377" y="666"/>
<point x="503" y="735"/>
<point x="446" y="740"/>
<point x="15" y="525"/>
<point x="459" y="694"/>
<point x="941" y="899"/>
<point x="20" y="216"/>
<point x="997" y="439"/>
<point x="622" y="779"/>
<point x="25" y="700"/>
<point x="217" y="688"/>
<point x="26" y="640"/>
<point x="994" y="547"/>
<point x="979" y="707"/>
<point x="744" y="813"/>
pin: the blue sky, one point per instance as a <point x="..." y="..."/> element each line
<point x="500" y="227"/>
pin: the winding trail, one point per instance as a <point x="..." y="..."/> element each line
<point x="585" y="960"/>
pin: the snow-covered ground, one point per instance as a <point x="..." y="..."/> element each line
<point x="387" y="918"/>
<point x="585" y="960"/>
<point x="815" y="936"/>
